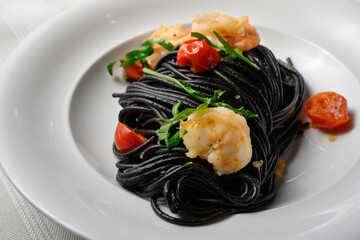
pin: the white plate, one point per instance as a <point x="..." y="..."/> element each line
<point x="58" y="118"/>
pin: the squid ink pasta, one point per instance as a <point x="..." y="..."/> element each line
<point x="187" y="191"/>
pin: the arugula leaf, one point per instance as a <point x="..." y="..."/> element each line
<point x="242" y="111"/>
<point x="173" y="141"/>
<point x="162" y="42"/>
<point x="184" y="85"/>
<point x="166" y="124"/>
<point x="175" y="108"/>
<point x="164" y="131"/>
<point x="218" y="93"/>
<point x="199" y="35"/>
<point x="211" y="101"/>
<point x="233" y="53"/>
<point x="145" y="50"/>
<point x="111" y="65"/>
<point x="144" y="63"/>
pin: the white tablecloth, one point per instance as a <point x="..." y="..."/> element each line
<point x="18" y="218"/>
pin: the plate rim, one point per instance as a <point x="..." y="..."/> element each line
<point x="38" y="32"/>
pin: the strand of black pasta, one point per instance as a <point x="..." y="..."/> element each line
<point x="190" y="188"/>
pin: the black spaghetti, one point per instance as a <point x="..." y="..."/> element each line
<point x="189" y="187"/>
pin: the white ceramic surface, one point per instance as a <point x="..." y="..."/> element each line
<point x="58" y="118"/>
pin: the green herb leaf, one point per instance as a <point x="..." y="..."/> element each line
<point x="199" y="35"/>
<point x="242" y="111"/>
<point x="129" y="62"/>
<point x="185" y="86"/>
<point x="166" y="124"/>
<point x="162" y="42"/>
<point x="110" y="67"/>
<point x="144" y="63"/>
<point x="175" y="108"/>
<point x="173" y="141"/>
<point x="233" y="53"/>
<point x="139" y="53"/>
<point x="196" y="94"/>
<point x="218" y="93"/>
<point x="145" y="50"/>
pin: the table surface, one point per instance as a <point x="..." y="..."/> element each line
<point x="18" y="218"/>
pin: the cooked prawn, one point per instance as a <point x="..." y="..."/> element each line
<point x="220" y="136"/>
<point x="175" y="34"/>
<point x="236" y="31"/>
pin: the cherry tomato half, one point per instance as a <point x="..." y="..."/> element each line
<point x="134" y="71"/>
<point x="327" y="110"/>
<point x="126" y="139"/>
<point x="198" y="55"/>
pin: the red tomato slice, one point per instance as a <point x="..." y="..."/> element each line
<point x="198" y="55"/>
<point x="126" y="139"/>
<point x="134" y="71"/>
<point x="327" y="110"/>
